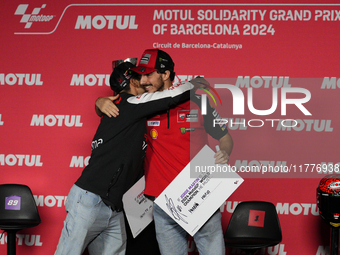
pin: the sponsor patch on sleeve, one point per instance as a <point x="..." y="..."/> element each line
<point x="154" y="123"/>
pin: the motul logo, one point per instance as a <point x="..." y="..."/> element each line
<point x="90" y="79"/>
<point x="24" y="240"/>
<point x="281" y="208"/>
<point x="106" y="21"/>
<point x="56" y="120"/>
<point x="20" y="160"/>
<point x="79" y="161"/>
<point x="50" y="201"/>
<point x="20" y="79"/>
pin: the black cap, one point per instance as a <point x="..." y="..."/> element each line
<point x="120" y="77"/>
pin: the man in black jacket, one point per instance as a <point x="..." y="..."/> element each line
<point x="94" y="205"/>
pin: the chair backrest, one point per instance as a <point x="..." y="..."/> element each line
<point x="253" y="224"/>
<point x="18" y="209"/>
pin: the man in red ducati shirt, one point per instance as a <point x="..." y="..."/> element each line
<point x="172" y="137"/>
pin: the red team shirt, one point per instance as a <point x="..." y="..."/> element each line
<point x="172" y="137"/>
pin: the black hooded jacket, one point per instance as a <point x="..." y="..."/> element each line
<point x="119" y="145"/>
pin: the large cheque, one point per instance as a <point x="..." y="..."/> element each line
<point x="138" y="208"/>
<point x="192" y="201"/>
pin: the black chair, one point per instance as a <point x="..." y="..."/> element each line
<point x="18" y="211"/>
<point x="252" y="226"/>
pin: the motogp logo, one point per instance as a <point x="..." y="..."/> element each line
<point x="28" y="19"/>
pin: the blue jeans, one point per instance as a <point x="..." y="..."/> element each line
<point x="91" y="223"/>
<point x="173" y="239"/>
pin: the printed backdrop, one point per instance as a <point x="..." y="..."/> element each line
<point x="56" y="60"/>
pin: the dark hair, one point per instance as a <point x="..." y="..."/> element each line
<point x="134" y="75"/>
<point x="172" y="73"/>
